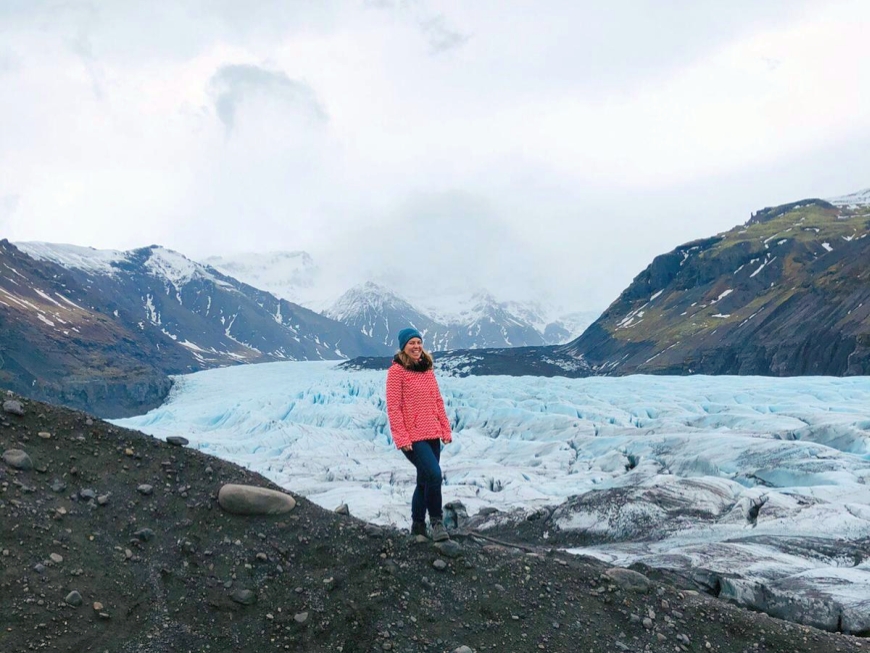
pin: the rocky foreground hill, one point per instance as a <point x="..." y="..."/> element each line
<point x="786" y="294"/>
<point x="111" y="540"/>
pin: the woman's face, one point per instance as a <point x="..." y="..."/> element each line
<point x="414" y="348"/>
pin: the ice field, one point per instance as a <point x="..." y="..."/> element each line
<point x="758" y="483"/>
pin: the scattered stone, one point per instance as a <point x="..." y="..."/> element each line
<point x="252" y="500"/>
<point x="144" y="534"/>
<point x="103" y="499"/>
<point x="13" y="407"/>
<point x="87" y="495"/>
<point x="262" y="557"/>
<point x="647" y="623"/>
<point x="145" y="489"/>
<point x="245" y="597"/>
<point x="300" y="617"/>
<point x="439" y="564"/>
<point x="463" y="649"/>
<point x="89" y="422"/>
<point x="56" y="558"/>
<point x="45" y="435"/>
<point x="455" y="515"/>
<point x="628" y="579"/>
<point x="391" y="568"/>
<point x="74" y="599"/>
<point x="373" y="531"/>
<point x="98" y="606"/>
<point x="177" y="441"/>
<point x="420" y="539"/>
<point x="39" y="568"/>
<point x="17" y="459"/>
<point x="342" y="510"/>
<point x="58" y="485"/>
<point x="449" y="549"/>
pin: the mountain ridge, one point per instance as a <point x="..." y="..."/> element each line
<point x="103" y="330"/>
<point x="786" y="293"/>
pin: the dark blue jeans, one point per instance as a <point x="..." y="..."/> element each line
<point x="426" y="456"/>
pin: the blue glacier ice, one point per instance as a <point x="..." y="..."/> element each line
<point x="765" y="462"/>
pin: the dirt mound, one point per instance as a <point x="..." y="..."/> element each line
<point x="114" y="541"/>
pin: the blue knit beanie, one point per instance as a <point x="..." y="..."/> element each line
<point x="406" y="334"/>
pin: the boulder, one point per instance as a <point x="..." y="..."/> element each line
<point x="177" y="441"/>
<point x="628" y="579"/>
<point x="252" y="500"/>
<point x="17" y="459"/>
<point x="13" y="407"/>
<point x="244" y="597"/>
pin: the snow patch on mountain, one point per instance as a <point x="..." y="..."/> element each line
<point x="289" y="275"/>
<point x="99" y="261"/>
<point x="853" y="200"/>
<point x="176" y="268"/>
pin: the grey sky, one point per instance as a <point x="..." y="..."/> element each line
<point x="550" y="147"/>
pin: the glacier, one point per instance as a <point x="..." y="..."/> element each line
<point x="755" y="487"/>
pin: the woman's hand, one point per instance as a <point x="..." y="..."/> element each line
<point x="447" y="439"/>
<point x="407" y="447"/>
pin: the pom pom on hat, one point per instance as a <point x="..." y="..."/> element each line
<point x="406" y="334"/>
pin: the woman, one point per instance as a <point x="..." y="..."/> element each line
<point x="419" y="425"/>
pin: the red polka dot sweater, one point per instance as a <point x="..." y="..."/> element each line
<point x="415" y="407"/>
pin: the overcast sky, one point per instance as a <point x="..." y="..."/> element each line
<point x="528" y="147"/>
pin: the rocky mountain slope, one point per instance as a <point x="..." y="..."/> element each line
<point x="114" y="541"/>
<point x="101" y="330"/>
<point x="787" y="293"/>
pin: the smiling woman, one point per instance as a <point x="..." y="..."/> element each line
<point x="419" y="425"/>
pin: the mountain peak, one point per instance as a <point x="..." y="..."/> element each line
<point x="853" y="200"/>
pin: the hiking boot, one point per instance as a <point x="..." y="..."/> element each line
<point x="418" y="528"/>
<point x="439" y="533"/>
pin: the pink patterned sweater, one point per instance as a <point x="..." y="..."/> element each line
<point x="415" y="407"/>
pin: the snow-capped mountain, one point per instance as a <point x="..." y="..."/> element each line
<point x="379" y="313"/>
<point x="852" y="200"/>
<point x="288" y="275"/>
<point x="483" y="322"/>
<point x="78" y="324"/>
<point x="467" y="318"/>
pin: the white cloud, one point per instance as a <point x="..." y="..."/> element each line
<point x="560" y="148"/>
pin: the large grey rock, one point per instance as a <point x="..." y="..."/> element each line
<point x="245" y="597"/>
<point x="177" y="440"/>
<point x="74" y="599"/>
<point x="17" y="459"/>
<point x="449" y="549"/>
<point x="455" y="515"/>
<point x="628" y="579"/>
<point x="252" y="500"/>
<point x="13" y="407"/>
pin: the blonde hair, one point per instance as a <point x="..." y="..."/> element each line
<point x="407" y="362"/>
